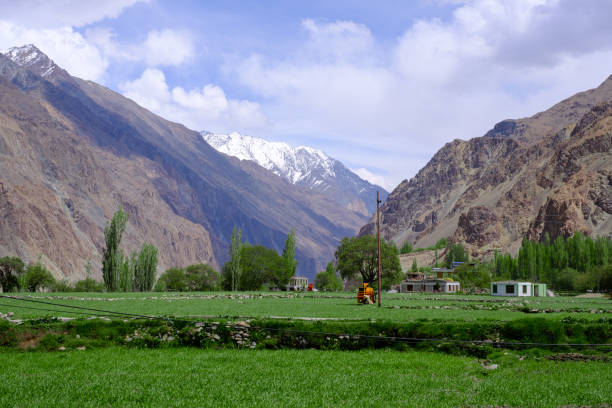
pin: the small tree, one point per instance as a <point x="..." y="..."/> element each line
<point x="406" y="248"/>
<point x="11" y="269"/>
<point x="456" y="253"/>
<point x="327" y="280"/>
<point x="113" y="256"/>
<point x="289" y="253"/>
<point x="36" y="276"/>
<point x="146" y="268"/>
<point x="172" y="280"/>
<point x="235" y="253"/>
<point x="360" y="255"/>
<point x="414" y="267"/>
<point x="201" y="277"/>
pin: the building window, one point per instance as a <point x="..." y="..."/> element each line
<point x="510" y="289"/>
<point x="494" y="288"/>
<point x="524" y="289"/>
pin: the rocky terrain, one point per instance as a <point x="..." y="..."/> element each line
<point x="550" y="174"/>
<point x="72" y="152"/>
<point x="303" y="166"/>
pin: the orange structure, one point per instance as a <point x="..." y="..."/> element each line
<point x="366" y="294"/>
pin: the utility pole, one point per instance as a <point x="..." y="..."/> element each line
<point x="378" y="238"/>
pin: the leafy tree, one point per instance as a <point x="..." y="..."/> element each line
<point x="172" y="280"/>
<point x="201" y="277"/>
<point x="11" y="267"/>
<point x="113" y="256"/>
<point x="406" y="248"/>
<point x="414" y="267"/>
<point x="456" y="253"/>
<point x="360" y="255"/>
<point x="36" y="276"/>
<point x="289" y="253"/>
<point x="442" y="243"/>
<point x="260" y="267"/>
<point x="234" y="255"/>
<point x="126" y="273"/>
<point x="327" y="280"/>
<point x="88" y="285"/>
<point x="146" y="268"/>
<point x="478" y="276"/>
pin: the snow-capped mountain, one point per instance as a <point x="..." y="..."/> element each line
<point x="303" y="166"/>
<point x="28" y="56"/>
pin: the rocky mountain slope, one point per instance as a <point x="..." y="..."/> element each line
<point x="72" y="151"/>
<point x="547" y="174"/>
<point x="303" y="166"/>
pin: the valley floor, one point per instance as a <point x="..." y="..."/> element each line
<point x="291" y="378"/>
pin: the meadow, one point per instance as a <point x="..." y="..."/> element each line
<point x="396" y="307"/>
<point x="109" y="371"/>
<point x="306" y="378"/>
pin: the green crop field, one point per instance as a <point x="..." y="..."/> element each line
<point x="283" y="378"/>
<point x="396" y="307"/>
<point x="43" y="367"/>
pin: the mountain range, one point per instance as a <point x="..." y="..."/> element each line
<point x="547" y="175"/>
<point x="303" y="166"/>
<point x="73" y="151"/>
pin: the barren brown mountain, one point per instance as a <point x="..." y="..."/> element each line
<point x="72" y="151"/>
<point x="548" y="174"/>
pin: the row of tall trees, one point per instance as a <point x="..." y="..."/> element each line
<point x="255" y="267"/>
<point x="576" y="263"/>
<point x="135" y="272"/>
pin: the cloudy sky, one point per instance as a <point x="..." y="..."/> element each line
<point x="379" y="85"/>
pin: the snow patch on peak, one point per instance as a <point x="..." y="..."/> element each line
<point x="295" y="165"/>
<point x="30" y="56"/>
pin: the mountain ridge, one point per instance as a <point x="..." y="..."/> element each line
<point x="303" y="166"/>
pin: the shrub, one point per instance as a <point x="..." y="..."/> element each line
<point x="172" y="280"/>
<point x="88" y="285"/>
<point x="327" y="280"/>
<point x="62" y="286"/>
<point x="37" y="276"/>
<point x="202" y="277"/>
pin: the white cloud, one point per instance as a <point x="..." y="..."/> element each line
<point x="374" y="178"/>
<point x="61" y="13"/>
<point x="199" y="109"/>
<point x="167" y="47"/>
<point x="439" y="81"/>
<point x="63" y="45"/>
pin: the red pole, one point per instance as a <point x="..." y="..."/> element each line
<point x="378" y="238"/>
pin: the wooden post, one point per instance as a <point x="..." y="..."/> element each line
<point x="378" y="238"/>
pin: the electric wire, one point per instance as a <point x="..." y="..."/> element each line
<point x="319" y="333"/>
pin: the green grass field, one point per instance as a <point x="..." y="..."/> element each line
<point x="107" y="375"/>
<point x="290" y="378"/>
<point x="396" y="307"/>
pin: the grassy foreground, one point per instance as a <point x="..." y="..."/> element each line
<point x="307" y="378"/>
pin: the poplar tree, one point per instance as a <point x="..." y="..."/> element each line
<point x="146" y="268"/>
<point x="113" y="256"/>
<point x="289" y="253"/>
<point x="234" y="253"/>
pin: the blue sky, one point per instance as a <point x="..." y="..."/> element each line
<point x="379" y="85"/>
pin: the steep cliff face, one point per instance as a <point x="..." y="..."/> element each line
<point x="72" y="151"/>
<point x="548" y="174"/>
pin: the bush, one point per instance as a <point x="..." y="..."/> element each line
<point x="88" y="285"/>
<point x="202" y="277"/>
<point x="406" y="248"/>
<point x="327" y="280"/>
<point x="62" y="286"/>
<point x="172" y="280"/>
<point x="37" y="276"/>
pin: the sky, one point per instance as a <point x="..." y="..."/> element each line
<point x="381" y="85"/>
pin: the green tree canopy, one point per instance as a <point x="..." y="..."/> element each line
<point x="327" y="280"/>
<point x="112" y="259"/>
<point x="202" y="277"/>
<point x="234" y="263"/>
<point x="359" y="255"/>
<point x="36" y="276"/>
<point x="146" y="268"/>
<point x="406" y="248"/>
<point x="172" y="280"/>
<point x="289" y="253"/>
<point x="11" y="268"/>
<point x="456" y="253"/>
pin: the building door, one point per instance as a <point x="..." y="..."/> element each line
<point x="536" y="290"/>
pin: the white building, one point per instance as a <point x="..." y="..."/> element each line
<point x="515" y="288"/>
<point x="430" y="285"/>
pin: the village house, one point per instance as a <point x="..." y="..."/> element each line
<point x="419" y="282"/>
<point x="515" y="288"/>
<point x="297" y="283"/>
